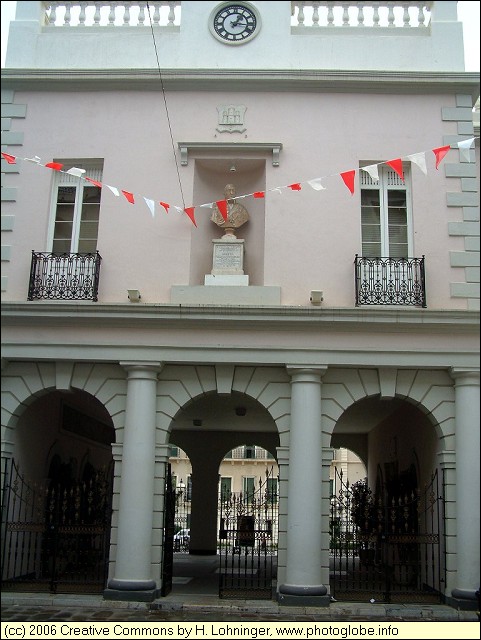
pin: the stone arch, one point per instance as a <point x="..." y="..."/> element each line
<point x="183" y="389"/>
<point x="430" y="391"/>
<point x="181" y="384"/>
<point x="54" y="385"/>
<point x="24" y="382"/>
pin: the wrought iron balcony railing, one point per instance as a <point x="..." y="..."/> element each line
<point x="390" y="281"/>
<point x="64" y="276"/>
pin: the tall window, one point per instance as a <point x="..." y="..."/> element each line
<point x="225" y="487"/>
<point x="76" y="210"/>
<point x="248" y="488"/>
<point x="272" y="490"/>
<point x="386" y="217"/>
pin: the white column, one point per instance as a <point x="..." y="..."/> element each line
<point x="133" y="569"/>
<point x="467" y="482"/>
<point x="303" y="571"/>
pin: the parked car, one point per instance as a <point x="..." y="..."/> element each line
<point x="181" y="540"/>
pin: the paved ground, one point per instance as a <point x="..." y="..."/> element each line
<point x="75" y="608"/>
<point x="194" y="598"/>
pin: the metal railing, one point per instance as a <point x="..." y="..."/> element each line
<point x="390" y="281"/>
<point x="65" y="276"/>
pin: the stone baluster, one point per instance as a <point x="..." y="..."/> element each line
<point x="82" y="14"/>
<point x="97" y="13"/>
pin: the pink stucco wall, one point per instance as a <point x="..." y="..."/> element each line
<point x="296" y="240"/>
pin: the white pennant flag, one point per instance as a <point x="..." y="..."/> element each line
<point x="209" y="205"/>
<point x="114" y="190"/>
<point x="372" y="170"/>
<point x="464" y="147"/>
<point x="75" y="171"/>
<point x="35" y="159"/>
<point x="179" y="209"/>
<point x="316" y="184"/>
<point x="419" y="159"/>
<point x="151" y="204"/>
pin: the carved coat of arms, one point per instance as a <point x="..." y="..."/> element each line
<point x="231" y="118"/>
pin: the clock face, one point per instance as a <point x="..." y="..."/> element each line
<point x="235" y="23"/>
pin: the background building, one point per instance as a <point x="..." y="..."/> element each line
<point x="344" y="313"/>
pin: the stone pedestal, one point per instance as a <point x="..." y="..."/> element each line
<point x="227" y="263"/>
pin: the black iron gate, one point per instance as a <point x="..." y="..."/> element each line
<point x="55" y="536"/>
<point x="248" y="533"/>
<point x="387" y="550"/>
<point x="169" y="526"/>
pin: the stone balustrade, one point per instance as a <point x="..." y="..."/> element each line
<point x="360" y="14"/>
<point x="304" y="14"/>
<point x="111" y="14"/>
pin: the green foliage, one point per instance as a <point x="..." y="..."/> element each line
<point x="363" y="507"/>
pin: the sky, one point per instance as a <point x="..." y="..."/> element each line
<point x="468" y="14"/>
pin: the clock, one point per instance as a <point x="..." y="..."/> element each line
<point x="235" y="23"/>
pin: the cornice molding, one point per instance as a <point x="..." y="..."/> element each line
<point x="370" y="81"/>
<point x="360" y="320"/>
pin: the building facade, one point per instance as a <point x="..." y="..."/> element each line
<point x="343" y="313"/>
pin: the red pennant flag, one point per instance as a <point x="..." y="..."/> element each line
<point x="10" y="159"/>
<point x="166" y="206"/>
<point x="397" y="165"/>
<point x="440" y="152"/>
<point x="95" y="182"/>
<point x="56" y="166"/>
<point x="129" y="196"/>
<point x="190" y="212"/>
<point x="348" y="177"/>
<point x="222" y="206"/>
<point x="259" y="194"/>
<point x="295" y="187"/>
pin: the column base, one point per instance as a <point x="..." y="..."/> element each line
<point x="131" y="590"/>
<point x="131" y="596"/>
<point x="464" y="600"/>
<point x="300" y="596"/>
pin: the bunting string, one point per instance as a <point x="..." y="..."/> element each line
<point x="348" y="177"/>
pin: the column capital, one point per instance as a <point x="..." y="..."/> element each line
<point x="306" y="373"/>
<point x="447" y="459"/>
<point x="162" y="452"/>
<point x="464" y="376"/>
<point x="117" y="450"/>
<point x="8" y="448"/>
<point x="139" y="370"/>
<point x="282" y="455"/>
